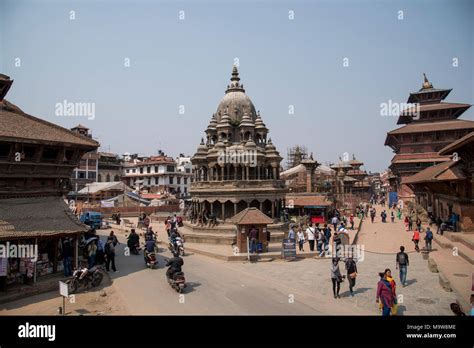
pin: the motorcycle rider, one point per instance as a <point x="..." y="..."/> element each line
<point x="174" y="234"/>
<point x="174" y="265"/>
<point x="133" y="239"/>
<point x="150" y="234"/>
<point x="149" y="248"/>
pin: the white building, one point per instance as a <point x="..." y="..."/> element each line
<point x="159" y="174"/>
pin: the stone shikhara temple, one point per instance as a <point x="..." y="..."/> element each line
<point x="237" y="166"/>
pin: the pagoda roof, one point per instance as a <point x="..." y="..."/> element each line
<point x="305" y="199"/>
<point x="251" y="216"/>
<point x="423" y="127"/>
<point x="15" y="124"/>
<point x="450" y="170"/>
<point x="457" y="144"/>
<point x="414" y="97"/>
<point x="419" y="157"/>
<point x="406" y="116"/>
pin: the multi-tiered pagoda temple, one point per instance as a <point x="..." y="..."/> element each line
<point x="428" y="127"/>
<point x="237" y="166"/>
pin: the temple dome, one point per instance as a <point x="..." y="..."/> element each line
<point x="235" y="102"/>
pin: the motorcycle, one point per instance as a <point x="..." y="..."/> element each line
<point x="84" y="277"/>
<point x="177" y="281"/>
<point x="150" y="259"/>
<point x="177" y="247"/>
<point x="134" y="248"/>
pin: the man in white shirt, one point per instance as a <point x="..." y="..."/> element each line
<point x="310" y="232"/>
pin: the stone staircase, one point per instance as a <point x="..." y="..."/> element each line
<point x="453" y="259"/>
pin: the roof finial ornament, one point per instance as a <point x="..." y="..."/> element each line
<point x="426" y="84"/>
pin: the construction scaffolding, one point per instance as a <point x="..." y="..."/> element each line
<point x="294" y="155"/>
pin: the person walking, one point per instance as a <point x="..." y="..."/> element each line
<point x="310" y="234"/>
<point x="336" y="277"/>
<point x="334" y="222"/>
<point x="410" y="223"/>
<point x="351" y="220"/>
<point x="110" y="254"/>
<point x="67" y="257"/>
<point x="301" y="238"/>
<point x="327" y="238"/>
<point x="416" y="239"/>
<point x="351" y="269"/>
<point x="428" y="239"/>
<point x="372" y="215"/>
<point x="392" y="216"/>
<point x="418" y="224"/>
<point x="399" y="213"/>
<point x="402" y="263"/>
<point x="320" y="240"/>
<point x="386" y="293"/>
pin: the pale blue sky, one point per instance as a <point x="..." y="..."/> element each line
<point x="282" y="62"/>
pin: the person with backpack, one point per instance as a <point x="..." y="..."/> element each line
<point x="110" y="254"/>
<point x="402" y="263"/>
<point x="351" y="269"/>
<point x="310" y="234"/>
<point x="428" y="239"/>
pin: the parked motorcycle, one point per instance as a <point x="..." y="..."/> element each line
<point x="84" y="277"/>
<point x="177" y="282"/>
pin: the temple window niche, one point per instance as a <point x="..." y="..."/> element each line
<point x="236" y="163"/>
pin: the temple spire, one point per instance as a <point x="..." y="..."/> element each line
<point x="426" y="84"/>
<point x="235" y="85"/>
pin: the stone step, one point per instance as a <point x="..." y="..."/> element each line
<point x="455" y="274"/>
<point x="464" y="238"/>
<point x="461" y="249"/>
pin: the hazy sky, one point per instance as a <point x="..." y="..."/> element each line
<point x="282" y="62"/>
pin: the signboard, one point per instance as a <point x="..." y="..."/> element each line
<point x="107" y="204"/>
<point x="63" y="290"/>
<point x="288" y="248"/>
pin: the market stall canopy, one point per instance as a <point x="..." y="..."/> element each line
<point x="251" y="216"/>
<point x="96" y="187"/>
<point x="22" y="218"/>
